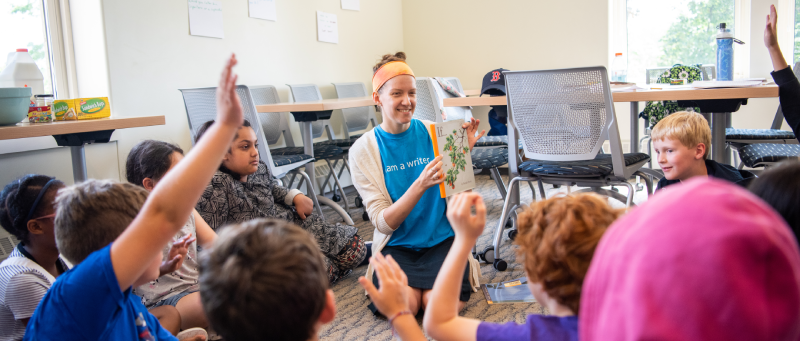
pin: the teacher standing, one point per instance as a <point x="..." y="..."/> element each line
<point x="397" y="175"/>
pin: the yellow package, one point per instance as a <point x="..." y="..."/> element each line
<point x="91" y="108"/>
<point x="39" y="115"/>
<point x="64" y="110"/>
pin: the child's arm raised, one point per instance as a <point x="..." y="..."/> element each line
<point x="170" y="204"/>
<point x="441" y="315"/>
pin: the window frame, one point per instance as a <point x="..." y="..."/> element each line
<point x="743" y="26"/>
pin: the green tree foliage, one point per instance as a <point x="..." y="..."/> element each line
<point x="691" y="39"/>
<point x="26" y="9"/>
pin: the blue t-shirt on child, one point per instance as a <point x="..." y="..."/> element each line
<point x="85" y="303"/>
<point x="404" y="157"/>
<point x="536" y="327"/>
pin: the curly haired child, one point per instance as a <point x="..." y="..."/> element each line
<point x="557" y="240"/>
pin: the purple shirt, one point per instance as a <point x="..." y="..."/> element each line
<point x="536" y="327"/>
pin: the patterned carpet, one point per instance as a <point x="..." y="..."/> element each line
<point x="355" y="322"/>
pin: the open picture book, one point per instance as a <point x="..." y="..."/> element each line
<point x="451" y="142"/>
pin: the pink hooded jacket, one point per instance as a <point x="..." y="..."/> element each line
<point x="705" y="260"/>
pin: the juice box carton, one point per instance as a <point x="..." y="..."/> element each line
<point x="91" y="108"/>
<point x="39" y="115"/>
<point x="64" y="110"/>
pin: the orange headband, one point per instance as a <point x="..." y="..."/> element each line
<point x="388" y="71"/>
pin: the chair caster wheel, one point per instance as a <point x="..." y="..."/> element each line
<point x="359" y="201"/>
<point x="365" y="216"/>
<point x="639" y="187"/>
<point x="556" y="186"/>
<point x="512" y="234"/>
<point x="500" y="265"/>
<point x="487" y="256"/>
<point x="336" y="198"/>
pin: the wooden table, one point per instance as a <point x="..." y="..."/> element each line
<point x="719" y="121"/>
<point x="75" y="134"/>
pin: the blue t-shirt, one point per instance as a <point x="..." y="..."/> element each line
<point x="404" y="157"/>
<point x="85" y="303"/>
<point x="536" y="327"/>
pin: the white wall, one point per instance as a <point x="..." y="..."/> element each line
<point x="151" y="54"/>
<point x="468" y="38"/>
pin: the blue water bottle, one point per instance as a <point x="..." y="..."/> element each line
<point x="725" y="42"/>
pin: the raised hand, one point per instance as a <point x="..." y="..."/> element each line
<point x="177" y="254"/>
<point x="459" y="213"/>
<point x="471" y="128"/>
<point x="771" y="30"/>
<point x="432" y="174"/>
<point x="392" y="297"/>
<point x="229" y="107"/>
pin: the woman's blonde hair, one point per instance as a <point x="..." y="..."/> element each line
<point x="557" y="239"/>
<point x="690" y="128"/>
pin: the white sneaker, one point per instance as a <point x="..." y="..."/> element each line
<point x="191" y="333"/>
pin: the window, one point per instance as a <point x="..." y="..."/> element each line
<point x="664" y="33"/>
<point x="44" y="28"/>
<point x="796" y="44"/>
<point x="27" y="20"/>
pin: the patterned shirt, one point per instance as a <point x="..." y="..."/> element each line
<point x="181" y="280"/>
<point x="229" y="201"/>
<point x="21" y="289"/>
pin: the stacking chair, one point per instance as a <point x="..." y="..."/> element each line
<point x="201" y="106"/>
<point x="310" y="92"/>
<point x="564" y="117"/>
<point x="737" y="139"/>
<point x="355" y="119"/>
<point x="430" y="107"/>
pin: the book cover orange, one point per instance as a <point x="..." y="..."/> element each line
<point x="451" y="142"/>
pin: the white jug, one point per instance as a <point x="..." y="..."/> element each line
<point x="21" y="71"/>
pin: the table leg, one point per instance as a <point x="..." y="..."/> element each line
<point x="718" y="125"/>
<point x="308" y="148"/>
<point x="634" y="127"/>
<point x="78" y="163"/>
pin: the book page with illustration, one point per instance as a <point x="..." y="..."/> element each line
<point x="451" y="142"/>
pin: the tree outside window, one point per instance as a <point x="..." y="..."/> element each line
<point x="25" y="20"/>
<point x="664" y="33"/>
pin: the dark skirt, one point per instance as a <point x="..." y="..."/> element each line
<point x="421" y="267"/>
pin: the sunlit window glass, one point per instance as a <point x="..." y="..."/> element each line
<point x="23" y="26"/>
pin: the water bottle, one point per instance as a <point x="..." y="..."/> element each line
<point x="21" y="71"/>
<point x="725" y="42"/>
<point x="619" y="68"/>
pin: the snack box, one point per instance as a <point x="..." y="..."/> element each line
<point x="39" y="115"/>
<point x="64" y="110"/>
<point x="91" y="108"/>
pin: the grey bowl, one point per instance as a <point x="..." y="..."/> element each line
<point x="14" y="103"/>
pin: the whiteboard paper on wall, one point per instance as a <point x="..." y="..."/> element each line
<point x="205" y="18"/>
<point x="327" y="28"/>
<point x="352" y="5"/>
<point x="263" y="9"/>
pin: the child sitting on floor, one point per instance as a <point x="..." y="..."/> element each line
<point x="244" y="189"/>
<point x="557" y="238"/>
<point x="26" y="212"/>
<point x="116" y="239"/>
<point x="681" y="142"/>
<point x="147" y="164"/>
<point x="266" y="279"/>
